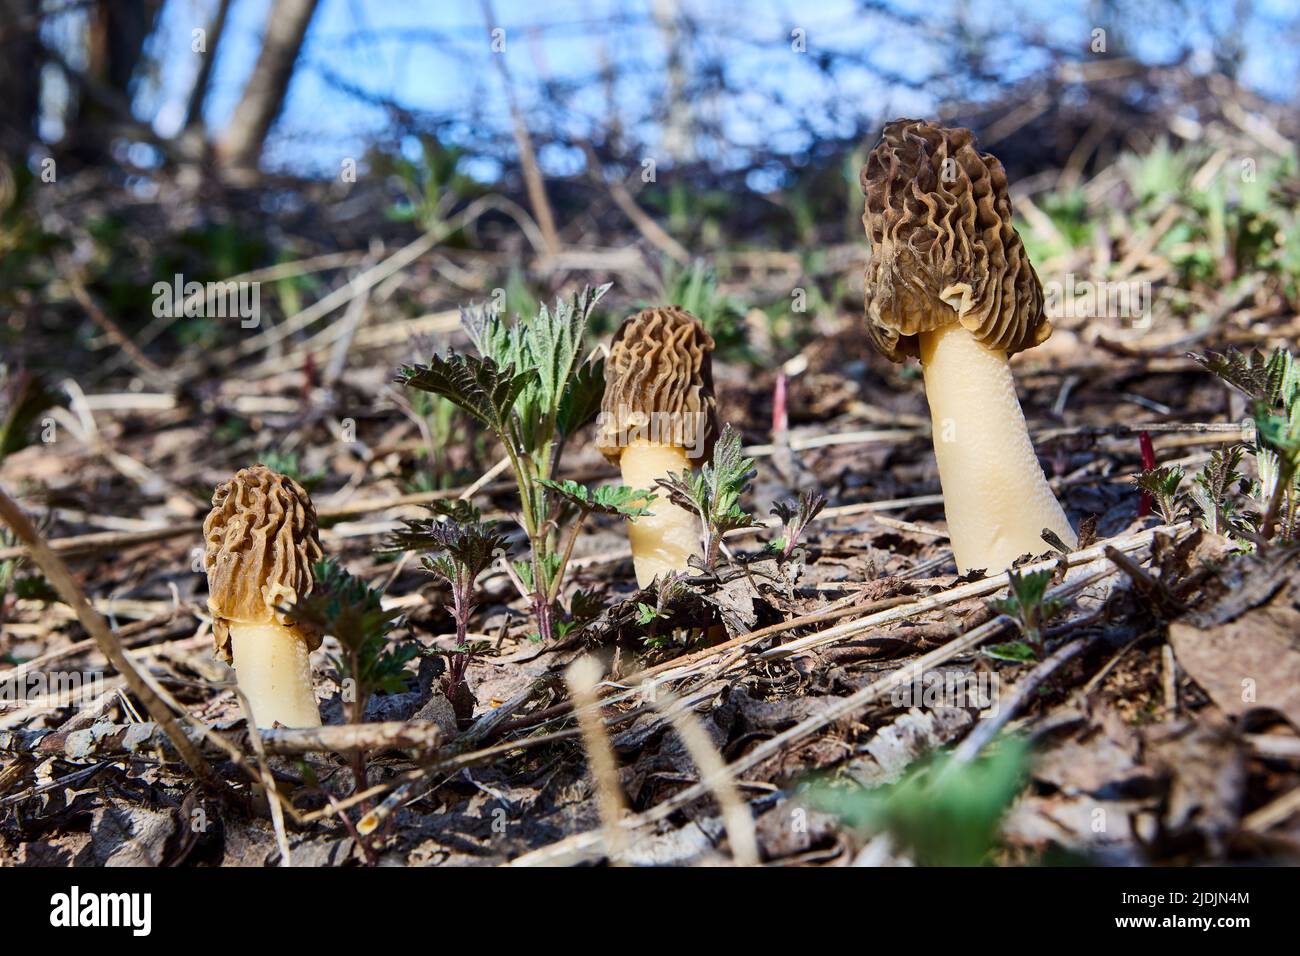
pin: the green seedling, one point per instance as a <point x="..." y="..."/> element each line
<point x="943" y="813"/>
<point x="531" y="384"/>
<point x="669" y="588"/>
<point x="1030" y="607"/>
<point x="1213" y="491"/>
<point x="370" y="661"/>
<point x="1162" y="485"/>
<point x="461" y="547"/>
<point x="713" y="493"/>
<point x="1272" y="383"/>
<point x="795" y="516"/>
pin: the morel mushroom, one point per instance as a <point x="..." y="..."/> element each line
<point x="261" y="542"/>
<point x="659" y="416"/>
<point x="949" y="282"/>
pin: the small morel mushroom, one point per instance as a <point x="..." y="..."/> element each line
<point x="949" y="282"/>
<point x="261" y="542"/>
<point x="659" y="416"/>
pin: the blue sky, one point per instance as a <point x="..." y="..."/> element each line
<point x="433" y="55"/>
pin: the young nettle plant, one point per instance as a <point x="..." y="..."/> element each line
<point x="532" y="385"/>
<point x="713" y="494"/>
<point x="463" y="546"/>
<point x="649" y="616"/>
<point x="1272" y="383"/>
<point x="1214" y="492"/>
<point x="370" y="662"/>
<point x="1162" y="485"/>
<point x="795" y="516"/>
<point x="1030" y="607"/>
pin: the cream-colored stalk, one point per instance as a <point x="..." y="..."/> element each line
<point x="995" y="495"/>
<point x="273" y="670"/>
<point x="664" y="540"/>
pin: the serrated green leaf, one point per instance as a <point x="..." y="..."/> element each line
<point x="344" y="607"/>
<point x="714" y="492"/>
<point x="1280" y="433"/>
<point x="1028" y="603"/>
<point x="463" y="546"/>
<point x="1212" y="489"/>
<point x="1160" y="482"/>
<point x="729" y="474"/>
<point x="734" y="519"/>
<point x="530" y="383"/>
<point x="492" y="336"/>
<point x="1016" y="651"/>
<point x="581" y="400"/>
<point x="1273" y="380"/>
<point x="603" y="499"/>
<point x="555" y="340"/>
<point x="478" y="386"/>
<point x="1029" y="588"/>
<point x="796" y="516"/>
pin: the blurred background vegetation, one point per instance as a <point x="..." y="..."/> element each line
<point x="683" y="151"/>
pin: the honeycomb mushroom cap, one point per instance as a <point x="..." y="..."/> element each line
<point x="943" y="247"/>
<point x="659" y="384"/>
<point x="260" y="544"/>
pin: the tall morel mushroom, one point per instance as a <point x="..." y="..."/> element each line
<point x="261" y="542"/>
<point x="659" y="416"/>
<point x="949" y="282"/>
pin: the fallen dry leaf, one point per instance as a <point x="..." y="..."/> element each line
<point x="1250" y="663"/>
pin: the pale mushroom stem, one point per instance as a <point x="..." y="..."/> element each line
<point x="273" y="669"/>
<point x="663" y="541"/>
<point x="994" y="493"/>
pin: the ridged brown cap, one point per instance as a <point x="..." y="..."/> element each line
<point x="943" y="248"/>
<point x="260" y="544"/>
<point x="659" y="365"/>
